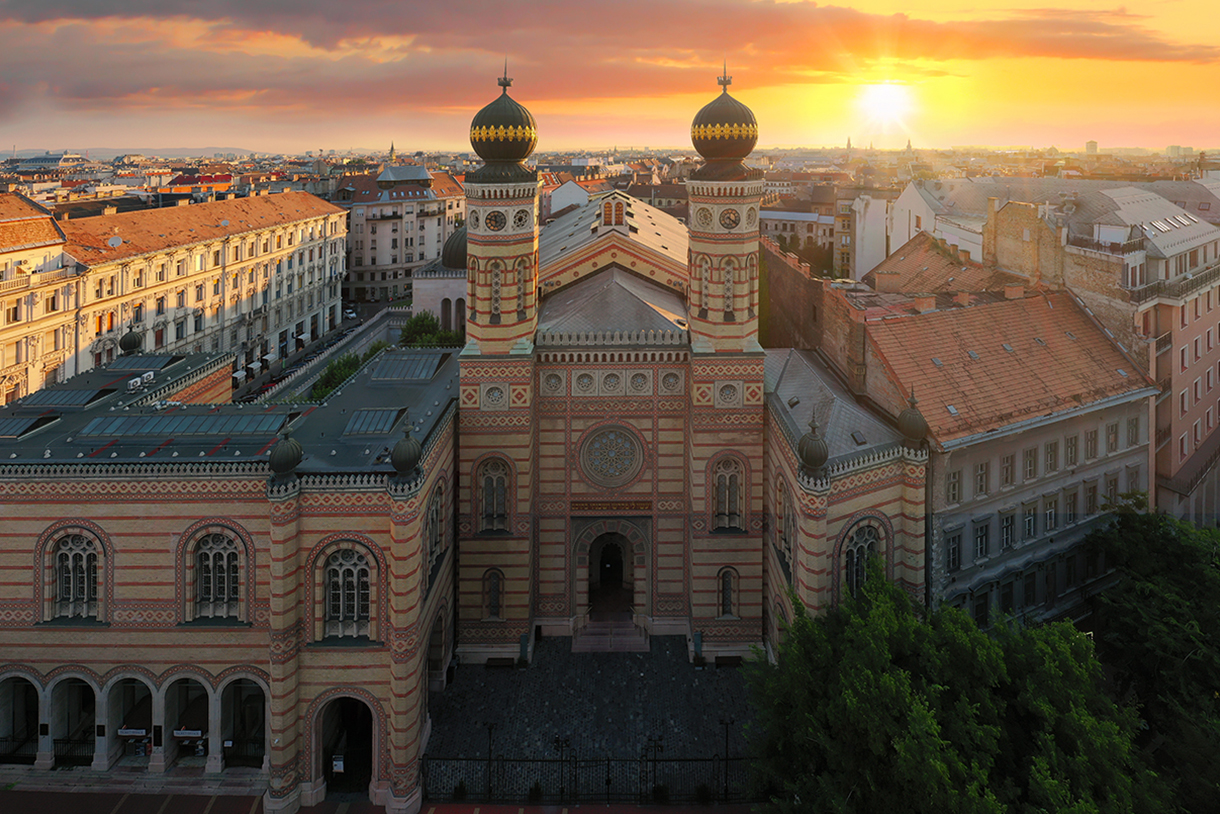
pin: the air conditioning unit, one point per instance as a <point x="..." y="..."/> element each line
<point x="134" y="384"/>
<point x="147" y="377"/>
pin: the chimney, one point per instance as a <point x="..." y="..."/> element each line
<point x="1013" y="291"/>
<point x="183" y="202"/>
<point x="925" y="303"/>
<point x="63" y="216"/>
<point x="110" y="210"/>
<point x="887" y="282"/>
<point x="962" y="298"/>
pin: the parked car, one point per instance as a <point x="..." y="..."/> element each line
<point x="349" y="314"/>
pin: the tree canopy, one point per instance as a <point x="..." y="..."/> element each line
<point x="1157" y="634"/>
<point x="875" y="707"/>
<point x="424" y="331"/>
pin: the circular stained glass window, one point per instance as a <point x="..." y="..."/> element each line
<point x="704" y="217"/>
<point x="474" y="219"/>
<point x="521" y="219"/>
<point x="728" y="393"/>
<point x="670" y="381"/>
<point x="638" y="382"/>
<point x="611" y="457"/>
<point x="553" y="382"/>
<point x="584" y="383"/>
<point x="494" y="396"/>
<point x="612" y="381"/>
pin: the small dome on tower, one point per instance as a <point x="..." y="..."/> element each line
<point x="406" y="454"/>
<point x="453" y="253"/>
<point x="131" y="342"/>
<point x="504" y="131"/>
<point x="911" y="422"/>
<point x="725" y="129"/>
<point x="286" y="455"/>
<point x="812" y="450"/>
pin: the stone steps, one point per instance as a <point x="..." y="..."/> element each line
<point x="619" y="636"/>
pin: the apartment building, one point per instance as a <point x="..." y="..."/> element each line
<point x="398" y="221"/>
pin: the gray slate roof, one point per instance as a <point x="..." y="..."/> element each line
<point x="612" y="300"/>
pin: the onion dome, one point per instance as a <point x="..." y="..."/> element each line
<point x="406" y="454"/>
<point x="131" y="342"/>
<point x="286" y="455"/>
<point x="453" y="254"/>
<point x="911" y="422"/>
<point x="725" y="129"/>
<point x="504" y="131"/>
<point x="812" y="450"/>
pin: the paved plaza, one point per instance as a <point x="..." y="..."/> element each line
<point x="606" y="704"/>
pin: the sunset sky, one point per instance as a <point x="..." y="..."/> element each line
<point x="296" y="75"/>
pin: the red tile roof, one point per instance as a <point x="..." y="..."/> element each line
<point x="1059" y="360"/>
<point x="925" y="266"/>
<point x="25" y="225"/>
<point x="154" y="230"/>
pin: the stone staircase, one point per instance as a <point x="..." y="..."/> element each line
<point x="610" y="636"/>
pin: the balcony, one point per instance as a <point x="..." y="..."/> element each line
<point x="1177" y="288"/>
<point x="1120" y="249"/>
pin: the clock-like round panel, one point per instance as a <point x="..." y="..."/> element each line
<point x="704" y="217"/>
<point x="729" y="218"/>
<point x="474" y="220"/>
<point x="521" y="219"/>
<point x="496" y="220"/>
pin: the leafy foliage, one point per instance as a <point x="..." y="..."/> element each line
<point x="340" y="369"/>
<point x="424" y="331"/>
<point x="1157" y="633"/>
<point x="873" y="708"/>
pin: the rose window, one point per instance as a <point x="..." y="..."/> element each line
<point x="639" y="381"/>
<point x="612" y="457"/>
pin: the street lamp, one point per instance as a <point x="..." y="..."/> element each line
<point x="726" y="723"/>
<point x="562" y="743"/>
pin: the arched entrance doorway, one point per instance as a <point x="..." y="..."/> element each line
<point x="611" y="589"/>
<point x="347" y="746"/>
<point x="18" y="721"/>
<point x="242" y="720"/>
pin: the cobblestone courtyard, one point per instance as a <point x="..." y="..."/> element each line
<point x="607" y="704"/>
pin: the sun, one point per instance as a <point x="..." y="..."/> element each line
<point x="887" y="103"/>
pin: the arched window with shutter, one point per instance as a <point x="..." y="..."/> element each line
<point x="727" y="498"/>
<point x="492" y="484"/>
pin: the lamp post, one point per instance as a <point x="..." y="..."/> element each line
<point x="655" y="745"/>
<point x="562" y="743"/>
<point x="491" y="727"/>
<point x="726" y="723"/>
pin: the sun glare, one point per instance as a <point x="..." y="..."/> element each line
<point x="887" y="104"/>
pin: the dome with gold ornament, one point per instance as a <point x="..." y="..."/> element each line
<point x="725" y="129"/>
<point x="504" y="131"/>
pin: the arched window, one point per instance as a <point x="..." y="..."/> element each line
<point x="607" y="214"/>
<point x="434" y="532"/>
<point x="862" y="544"/>
<point x="522" y="284"/>
<point x="347" y="594"/>
<point x="752" y="275"/>
<point x="730" y="273"/>
<point x="785" y="517"/>
<point x="493" y="483"/>
<point x="76" y="562"/>
<point x="493" y="599"/>
<point x="726" y="584"/>
<point x="217" y="576"/>
<point x="727" y="482"/>
<point x="497" y="274"/>
<point x="618" y="213"/>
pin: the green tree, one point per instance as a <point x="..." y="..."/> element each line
<point x="340" y="369"/>
<point x="872" y="707"/>
<point x="1157" y="633"/>
<point x="420" y="328"/>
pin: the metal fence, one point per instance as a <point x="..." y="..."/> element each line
<point x="245" y="752"/>
<point x="70" y="752"/>
<point x="586" y="780"/>
<point x="14" y="750"/>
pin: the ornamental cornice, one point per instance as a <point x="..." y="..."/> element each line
<point x="502" y="133"/>
<point x="725" y="131"/>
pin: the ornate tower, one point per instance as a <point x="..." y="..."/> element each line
<point x="725" y="197"/>
<point x="502" y="223"/>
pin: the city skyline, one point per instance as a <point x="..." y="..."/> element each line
<point x="321" y="77"/>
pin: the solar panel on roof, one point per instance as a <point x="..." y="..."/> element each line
<point x="140" y="362"/>
<point x="66" y="398"/>
<point x="367" y="422"/>
<point x="266" y="424"/>
<point x="407" y="366"/>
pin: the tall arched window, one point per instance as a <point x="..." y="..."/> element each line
<point x="705" y="283"/>
<point x="862" y="544"/>
<point x="752" y="276"/>
<point x="434" y="532"/>
<point x="493" y="599"/>
<point x="497" y="274"/>
<point x="727" y="482"/>
<point x="726" y="585"/>
<point x="217" y="576"/>
<point x="785" y="517"/>
<point x="493" y="485"/>
<point x="76" y="562"/>
<point x="618" y="213"/>
<point x="522" y="284"/>
<point x="730" y="274"/>
<point x="347" y="594"/>
<point x="607" y="214"/>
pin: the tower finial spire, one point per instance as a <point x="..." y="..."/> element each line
<point x="725" y="80"/>
<point x="504" y="81"/>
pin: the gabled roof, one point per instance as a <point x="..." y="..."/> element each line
<point x="154" y="230"/>
<point x="977" y="370"/>
<point x="924" y="266"/>
<point x="25" y="225"/>
<point x="612" y="300"/>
